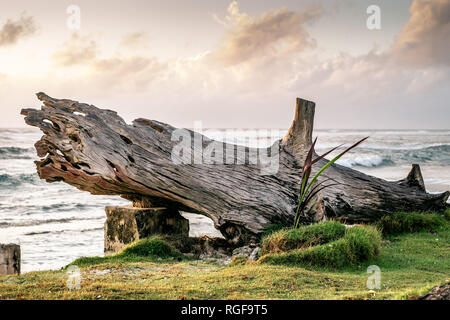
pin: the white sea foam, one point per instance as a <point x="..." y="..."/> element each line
<point x="363" y="161"/>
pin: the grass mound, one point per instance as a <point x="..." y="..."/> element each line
<point x="149" y="249"/>
<point x="303" y="237"/>
<point x="403" y="222"/>
<point x="359" y="243"/>
<point x="154" y="246"/>
<point x="271" y="229"/>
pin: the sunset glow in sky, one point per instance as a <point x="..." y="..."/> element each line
<point x="232" y="64"/>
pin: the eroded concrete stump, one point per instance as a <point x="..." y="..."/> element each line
<point x="125" y="225"/>
<point x="9" y="259"/>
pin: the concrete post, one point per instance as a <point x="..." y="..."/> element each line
<point x="125" y="225"/>
<point x="9" y="259"/>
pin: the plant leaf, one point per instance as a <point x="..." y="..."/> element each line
<point x="333" y="161"/>
<point x="325" y="154"/>
<point x="310" y="195"/>
<point x="306" y="172"/>
<point x="303" y="190"/>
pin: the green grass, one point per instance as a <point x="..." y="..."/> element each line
<point x="271" y="229"/>
<point x="239" y="260"/>
<point x="306" y="236"/>
<point x="403" y="222"/>
<point x="447" y="214"/>
<point x="154" y="246"/>
<point x="149" y="249"/>
<point x="410" y="265"/>
<point x="359" y="244"/>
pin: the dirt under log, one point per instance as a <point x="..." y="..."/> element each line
<point x="95" y="150"/>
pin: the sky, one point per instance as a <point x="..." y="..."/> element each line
<point x="232" y="64"/>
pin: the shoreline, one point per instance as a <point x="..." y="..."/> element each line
<point x="406" y="274"/>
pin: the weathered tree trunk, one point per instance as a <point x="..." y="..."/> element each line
<point x="95" y="150"/>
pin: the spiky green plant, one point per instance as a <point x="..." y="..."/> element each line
<point x="306" y="192"/>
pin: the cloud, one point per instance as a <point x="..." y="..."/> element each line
<point x="12" y="31"/>
<point x="412" y="65"/>
<point x="76" y="51"/>
<point x="425" y="38"/>
<point x="260" y="64"/>
<point x="275" y="33"/>
<point x="136" y="71"/>
<point x="257" y="56"/>
<point x="133" y="39"/>
<point x="114" y="71"/>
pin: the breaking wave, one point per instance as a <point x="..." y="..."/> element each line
<point x="369" y="158"/>
<point x="16" y="153"/>
<point x="33" y="223"/>
<point x="366" y="161"/>
<point x="13" y="181"/>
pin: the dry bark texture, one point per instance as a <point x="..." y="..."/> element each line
<point x="95" y="150"/>
<point x="438" y="293"/>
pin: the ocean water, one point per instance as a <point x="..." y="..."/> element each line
<point x="55" y="223"/>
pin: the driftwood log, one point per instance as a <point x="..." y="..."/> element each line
<point x="97" y="151"/>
